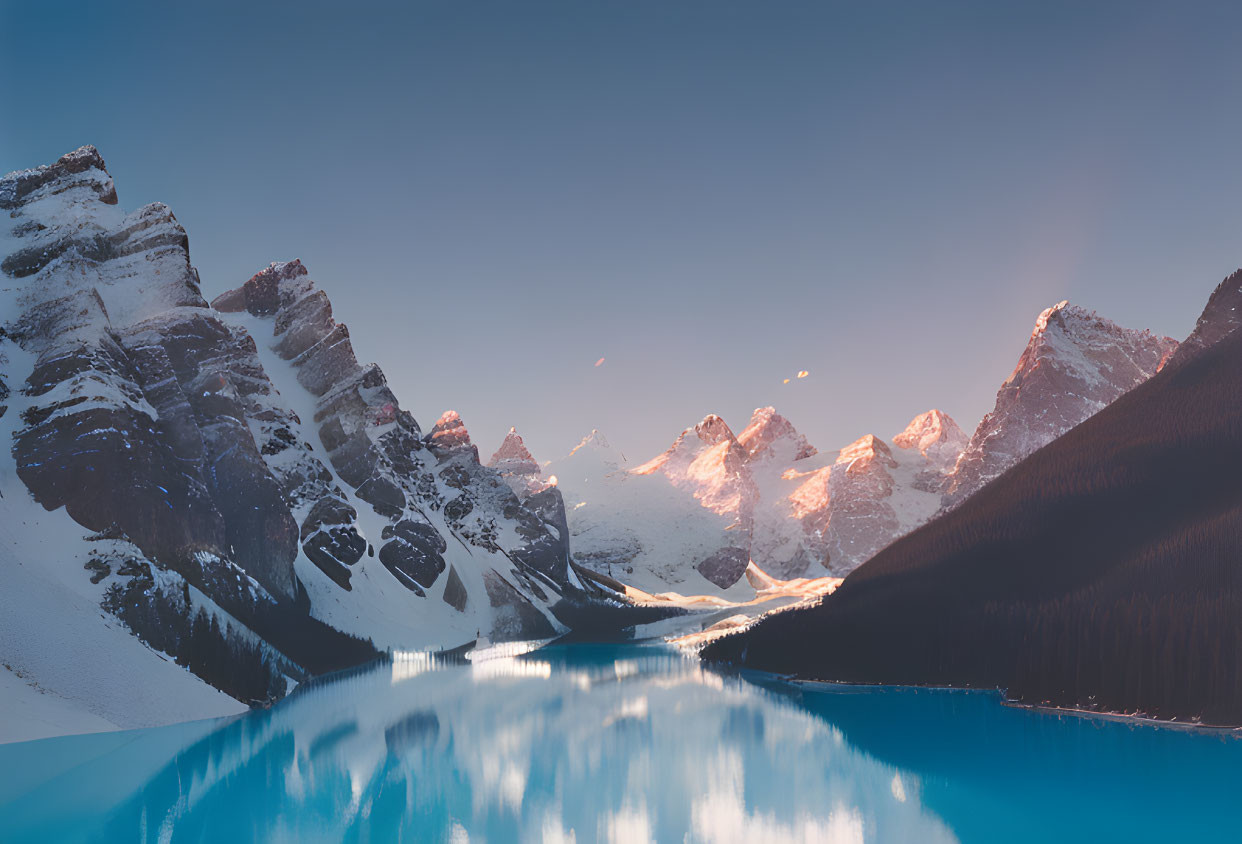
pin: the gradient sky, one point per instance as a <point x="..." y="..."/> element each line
<point x="712" y="195"/>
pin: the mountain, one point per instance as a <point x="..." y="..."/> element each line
<point x="770" y="437"/>
<point x="714" y="503"/>
<point x="642" y="529"/>
<point x="1075" y="364"/>
<point x="795" y="512"/>
<point x="225" y="482"/>
<point x="838" y="510"/>
<point x="516" y="465"/>
<point x="709" y="462"/>
<point x="1220" y="318"/>
<point x="936" y="437"/>
<point x="1101" y="572"/>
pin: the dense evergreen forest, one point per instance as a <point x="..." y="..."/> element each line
<point x="238" y="662"/>
<point x="1105" y="571"/>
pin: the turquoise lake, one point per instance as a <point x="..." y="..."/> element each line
<point x="627" y="743"/>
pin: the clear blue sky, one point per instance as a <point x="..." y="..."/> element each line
<point x="710" y="195"/>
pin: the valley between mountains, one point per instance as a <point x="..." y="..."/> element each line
<point x="215" y="501"/>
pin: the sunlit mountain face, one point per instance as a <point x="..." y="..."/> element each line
<point x="631" y="422"/>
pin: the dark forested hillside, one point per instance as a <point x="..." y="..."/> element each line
<point x="1105" y="571"/>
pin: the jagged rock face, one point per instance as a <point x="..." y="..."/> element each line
<point x="792" y="511"/>
<point x="16" y="188"/>
<point x="330" y="538"/>
<point x="449" y="436"/>
<point x="638" y="528"/>
<point x="935" y="436"/>
<point x="709" y="462"/>
<point x="1075" y="364"/>
<point x="436" y="508"/>
<point x="135" y="424"/>
<point x="282" y="473"/>
<point x="414" y="555"/>
<point x="725" y="567"/>
<point x="846" y="509"/>
<point x="1221" y="317"/>
<point x="770" y="436"/>
<point x="862" y="519"/>
<point x="516" y="465"/>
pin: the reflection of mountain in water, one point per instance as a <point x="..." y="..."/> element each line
<point x="590" y="743"/>
<point x="566" y="744"/>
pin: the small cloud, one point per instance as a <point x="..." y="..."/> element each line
<point x="599" y="362"/>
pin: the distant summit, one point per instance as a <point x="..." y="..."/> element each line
<point x="935" y="436"/>
<point x="516" y="465"/>
<point x="770" y="436"/>
<point x="1075" y="364"/>
<point x="1221" y="317"/>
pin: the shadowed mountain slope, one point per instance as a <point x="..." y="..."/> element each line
<point x="1102" y="572"/>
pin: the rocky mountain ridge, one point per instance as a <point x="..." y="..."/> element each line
<point x="793" y="512"/>
<point x="1099" y="574"/>
<point x="765" y="497"/>
<point x="1075" y="364"/>
<point x="252" y="500"/>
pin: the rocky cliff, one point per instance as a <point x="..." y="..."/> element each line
<point x="716" y="503"/>
<point x="1075" y="364"/>
<point x="235" y="464"/>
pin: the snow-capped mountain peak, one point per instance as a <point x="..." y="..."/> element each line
<point x="517" y="466"/>
<point x="690" y="445"/>
<point x="449" y="434"/>
<point x="865" y="450"/>
<point x="1074" y="364"/>
<point x="233" y="462"/>
<point x="713" y="430"/>
<point x="770" y="436"/>
<point x="513" y="455"/>
<point x="708" y="461"/>
<point x="935" y="435"/>
<point x="1221" y="316"/>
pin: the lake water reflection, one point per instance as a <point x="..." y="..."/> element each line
<point x="598" y="743"/>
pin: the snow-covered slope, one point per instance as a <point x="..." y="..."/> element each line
<point x="716" y="506"/>
<point x="641" y="528"/>
<point x="1075" y="364"/>
<point x="829" y="513"/>
<point x="407" y="540"/>
<point x="68" y="666"/>
<point x="516" y="465"/>
<point x="228" y="483"/>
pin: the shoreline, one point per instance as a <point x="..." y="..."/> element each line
<point x="844" y="687"/>
<point x="1124" y="718"/>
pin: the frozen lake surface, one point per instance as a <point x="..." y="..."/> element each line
<point x="628" y="743"/>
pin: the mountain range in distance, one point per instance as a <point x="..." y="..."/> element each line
<point x="1100" y="573"/>
<point x="215" y="502"/>
<point x="716" y="507"/>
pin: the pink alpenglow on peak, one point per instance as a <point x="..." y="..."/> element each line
<point x="517" y="466"/>
<point x="449" y="433"/>
<point x="771" y="436"/>
<point x="709" y="462"/>
<point x="935" y="435"/>
<point x="867" y="448"/>
<point x="1075" y="364"/>
<point x="792" y="511"/>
